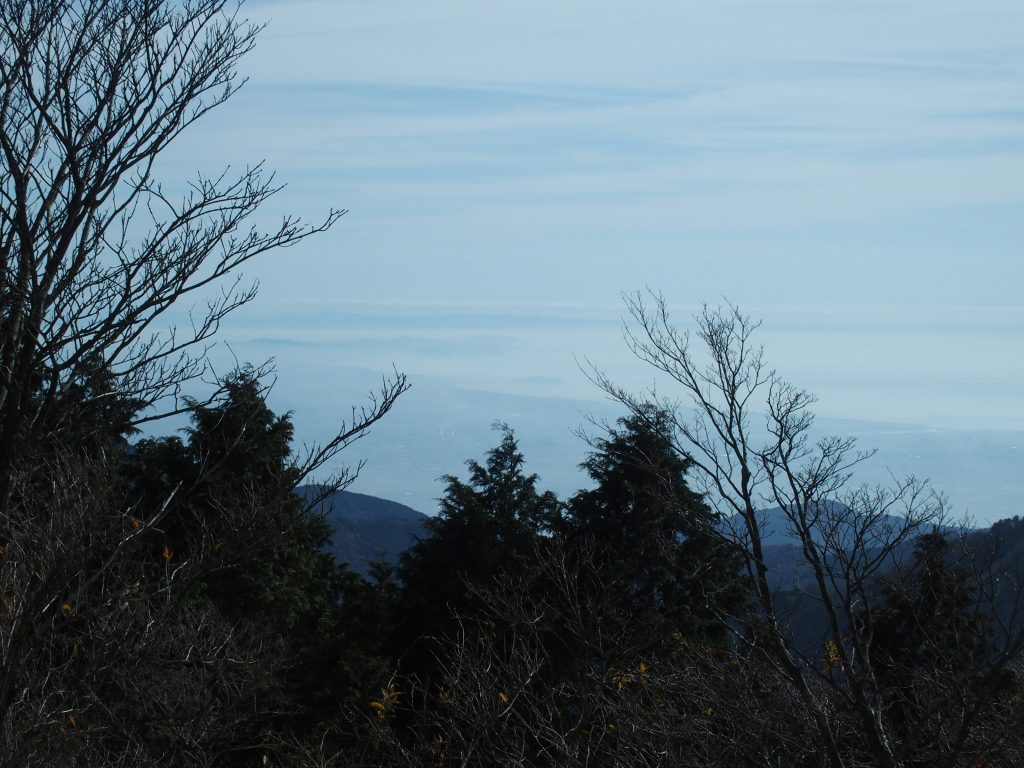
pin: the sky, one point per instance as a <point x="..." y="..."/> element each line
<point x="850" y="173"/>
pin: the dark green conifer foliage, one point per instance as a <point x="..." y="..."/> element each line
<point x="487" y="529"/>
<point x="928" y="615"/>
<point x="263" y="552"/>
<point x="244" y="509"/>
<point x="649" y="533"/>
<point x="94" y="413"/>
<point x="933" y="651"/>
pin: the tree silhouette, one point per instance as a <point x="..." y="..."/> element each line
<point x="653" y="535"/>
<point x="486" y="531"/>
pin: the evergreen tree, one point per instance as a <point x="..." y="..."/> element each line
<point x="264" y="565"/>
<point x="653" y="535"/>
<point x="486" y="531"/>
<point x="932" y="651"/>
<point x="94" y="412"/>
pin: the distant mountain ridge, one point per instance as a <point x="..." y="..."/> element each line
<point x="366" y="528"/>
<point x="995" y="549"/>
<point x="438" y="425"/>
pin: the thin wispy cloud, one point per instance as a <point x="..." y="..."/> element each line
<point x="816" y="154"/>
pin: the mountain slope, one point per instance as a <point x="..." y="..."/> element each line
<point x="366" y="528"/>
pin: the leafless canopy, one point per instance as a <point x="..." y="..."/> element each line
<point x="94" y="255"/>
<point x="94" y="250"/>
<point x="753" y="444"/>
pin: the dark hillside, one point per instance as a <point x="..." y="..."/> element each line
<point x="365" y="527"/>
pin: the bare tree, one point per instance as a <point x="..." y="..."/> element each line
<point x="751" y="438"/>
<point x="94" y="251"/>
<point x="102" y="657"/>
<point x="94" y="255"/>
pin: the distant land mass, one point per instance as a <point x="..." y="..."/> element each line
<point x="366" y="528"/>
<point x="437" y="426"/>
<point x="986" y="550"/>
<point x="442" y="422"/>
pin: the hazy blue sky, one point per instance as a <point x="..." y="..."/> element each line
<point x="849" y="171"/>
